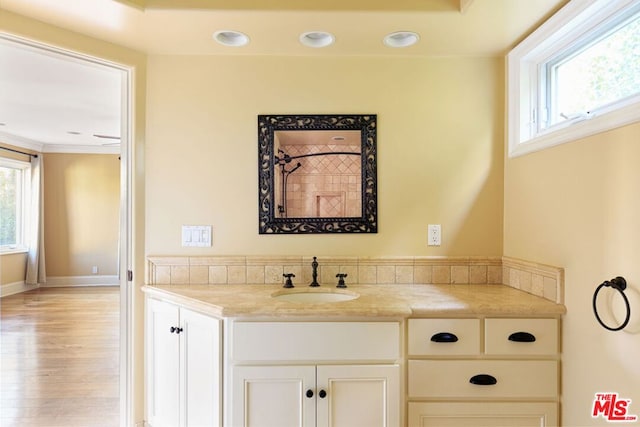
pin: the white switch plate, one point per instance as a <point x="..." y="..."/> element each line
<point x="434" y="235"/>
<point x="196" y="235"/>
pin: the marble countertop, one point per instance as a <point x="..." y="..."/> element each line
<point x="393" y="301"/>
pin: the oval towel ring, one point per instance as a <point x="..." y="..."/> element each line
<point x="619" y="284"/>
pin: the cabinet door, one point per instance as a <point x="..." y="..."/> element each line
<point x="273" y="396"/>
<point x="200" y="370"/>
<point x="358" y="396"/>
<point x="162" y="358"/>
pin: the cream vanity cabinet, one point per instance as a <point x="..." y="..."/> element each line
<point x="488" y="372"/>
<point x="312" y="374"/>
<point x="183" y="366"/>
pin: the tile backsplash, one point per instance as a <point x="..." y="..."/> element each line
<point x="537" y="279"/>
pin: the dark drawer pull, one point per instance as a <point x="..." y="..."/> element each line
<point x="444" y="337"/>
<point x="522" y="337"/>
<point x="483" y="379"/>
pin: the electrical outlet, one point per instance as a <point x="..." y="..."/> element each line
<point x="434" y="235"/>
<point x="94" y="269"/>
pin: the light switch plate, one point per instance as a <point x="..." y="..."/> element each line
<point x="196" y="235"/>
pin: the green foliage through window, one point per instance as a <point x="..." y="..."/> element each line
<point x="8" y="206"/>
<point x="602" y="72"/>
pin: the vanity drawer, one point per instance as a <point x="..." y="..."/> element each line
<point x="482" y="414"/>
<point x="514" y="379"/>
<point x="314" y="341"/>
<point x="444" y="337"/>
<point x="521" y="336"/>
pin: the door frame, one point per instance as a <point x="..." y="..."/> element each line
<point x="127" y="287"/>
<point x="125" y="255"/>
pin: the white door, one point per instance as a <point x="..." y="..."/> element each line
<point x="274" y="396"/>
<point x="200" y="374"/>
<point x="162" y="358"/>
<point x="358" y="396"/>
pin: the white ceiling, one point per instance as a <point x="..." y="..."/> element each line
<point x="52" y="102"/>
<point x="43" y="97"/>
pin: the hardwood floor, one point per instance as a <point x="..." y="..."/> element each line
<point x="59" y="358"/>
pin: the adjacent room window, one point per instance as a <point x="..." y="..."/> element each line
<point x="14" y="204"/>
<point x="576" y="75"/>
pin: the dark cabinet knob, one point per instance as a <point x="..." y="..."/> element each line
<point x="178" y="330"/>
<point x="522" y="337"/>
<point x="172" y="329"/>
<point x="322" y="394"/>
<point x="483" y="379"/>
<point x="444" y="337"/>
<point x="309" y="393"/>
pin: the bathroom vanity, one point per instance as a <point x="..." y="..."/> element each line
<point x="383" y="355"/>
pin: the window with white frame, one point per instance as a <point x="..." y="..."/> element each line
<point x="576" y="75"/>
<point x="15" y="179"/>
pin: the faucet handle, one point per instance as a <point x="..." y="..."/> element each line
<point x="288" y="283"/>
<point x="341" y="277"/>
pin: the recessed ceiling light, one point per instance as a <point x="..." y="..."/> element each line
<point x="231" y="38"/>
<point x="401" y="39"/>
<point x="317" y="39"/>
<point x="73" y="132"/>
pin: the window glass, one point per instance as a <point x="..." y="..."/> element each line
<point x="8" y="206"/>
<point x="601" y="72"/>
<point x="14" y="187"/>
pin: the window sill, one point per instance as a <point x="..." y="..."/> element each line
<point x="14" y="251"/>
<point x="577" y="130"/>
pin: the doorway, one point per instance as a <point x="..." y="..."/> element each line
<point x="105" y="141"/>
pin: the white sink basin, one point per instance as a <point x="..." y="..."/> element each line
<point x="314" y="296"/>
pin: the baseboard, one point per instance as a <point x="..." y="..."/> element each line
<point x="70" y="281"/>
<point x="15" y="288"/>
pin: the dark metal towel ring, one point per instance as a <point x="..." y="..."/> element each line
<point x="620" y="285"/>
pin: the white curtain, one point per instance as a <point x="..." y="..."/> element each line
<point x="35" y="259"/>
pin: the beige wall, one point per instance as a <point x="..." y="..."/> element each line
<point x="81" y="221"/>
<point x="82" y="208"/>
<point x="578" y="206"/>
<point x="12" y="268"/>
<point x="439" y="149"/>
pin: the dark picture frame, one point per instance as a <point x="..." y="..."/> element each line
<point x="269" y="222"/>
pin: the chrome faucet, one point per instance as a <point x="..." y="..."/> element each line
<point x="314" y="273"/>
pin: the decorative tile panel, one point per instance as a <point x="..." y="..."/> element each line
<point x="537" y="279"/>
